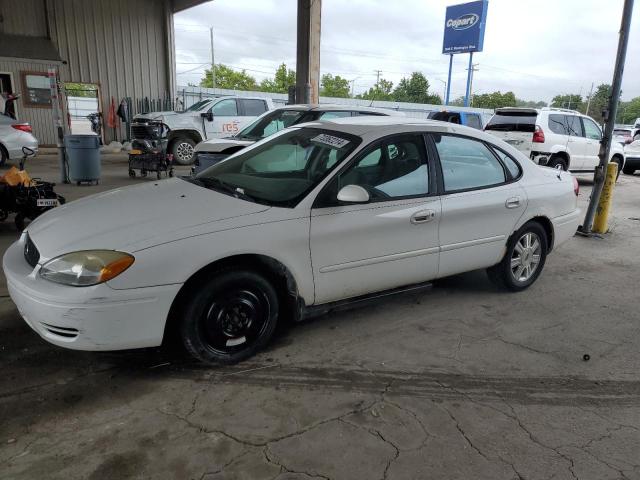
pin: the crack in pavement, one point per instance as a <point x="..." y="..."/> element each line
<point x="284" y="468"/>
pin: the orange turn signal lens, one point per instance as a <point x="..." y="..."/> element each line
<point x="115" y="268"/>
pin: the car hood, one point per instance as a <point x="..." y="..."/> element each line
<point x="217" y="145"/>
<point x="137" y="217"/>
<point x="154" y="115"/>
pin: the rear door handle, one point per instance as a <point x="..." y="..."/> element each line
<point x="423" y="216"/>
<point x="513" y="202"/>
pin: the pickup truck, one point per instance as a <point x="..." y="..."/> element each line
<point x="211" y="118"/>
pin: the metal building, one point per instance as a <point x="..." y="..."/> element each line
<point x="102" y="49"/>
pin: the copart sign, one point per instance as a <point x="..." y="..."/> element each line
<point x="464" y="27"/>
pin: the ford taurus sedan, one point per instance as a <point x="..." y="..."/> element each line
<point x="315" y="216"/>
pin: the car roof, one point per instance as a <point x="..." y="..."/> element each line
<point x="517" y="110"/>
<point x="380" y="124"/>
<point x="328" y="107"/>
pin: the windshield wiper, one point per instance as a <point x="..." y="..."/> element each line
<point x="217" y="184"/>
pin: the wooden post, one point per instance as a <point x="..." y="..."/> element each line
<point x="308" y="51"/>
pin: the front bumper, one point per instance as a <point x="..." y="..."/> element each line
<point x="86" y="318"/>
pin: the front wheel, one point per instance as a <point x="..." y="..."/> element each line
<point x="182" y="150"/>
<point x="628" y="170"/>
<point x="524" y="259"/>
<point x="230" y="318"/>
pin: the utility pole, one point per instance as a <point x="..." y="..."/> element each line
<point x="308" y="51"/>
<point x="474" y="68"/>
<point x="589" y="101"/>
<point x="213" y="61"/>
<point x="610" y="118"/>
<point x="353" y="81"/>
<point x="378" y="72"/>
<point x="444" y="91"/>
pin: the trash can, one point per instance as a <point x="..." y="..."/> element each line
<point x="83" y="158"/>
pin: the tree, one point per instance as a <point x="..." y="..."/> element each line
<point x="281" y="82"/>
<point x="599" y="102"/>
<point x="415" y="89"/>
<point x="229" y="79"/>
<point x="530" y="103"/>
<point x="572" y="101"/>
<point x="494" y="100"/>
<point x="629" y="111"/>
<point x="331" y="86"/>
<point x="380" y="91"/>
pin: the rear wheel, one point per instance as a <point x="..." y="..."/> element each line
<point x="524" y="259"/>
<point x="628" y="170"/>
<point x="556" y="161"/>
<point x="230" y="317"/>
<point x="4" y="156"/>
<point x="182" y="149"/>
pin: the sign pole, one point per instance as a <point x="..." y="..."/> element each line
<point x="469" y="73"/>
<point x="446" y="99"/>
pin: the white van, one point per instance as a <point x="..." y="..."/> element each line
<point x="211" y="118"/>
<point x="554" y="137"/>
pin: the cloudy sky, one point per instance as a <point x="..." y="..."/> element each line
<point x="536" y="48"/>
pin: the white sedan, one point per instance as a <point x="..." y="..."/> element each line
<point x="317" y="215"/>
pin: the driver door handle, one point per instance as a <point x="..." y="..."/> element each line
<point x="423" y="216"/>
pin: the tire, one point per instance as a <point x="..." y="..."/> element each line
<point x="4" y="156"/>
<point x="628" y="170"/>
<point x="182" y="149"/>
<point x="230" y="317"/>
<point x="132" y="173"/>
<point x="507" y="277"/>
<point x="556" y="161"/>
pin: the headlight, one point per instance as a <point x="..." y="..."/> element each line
<point x="85" y="268"/>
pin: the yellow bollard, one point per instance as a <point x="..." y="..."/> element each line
<point x="601" y="220"/>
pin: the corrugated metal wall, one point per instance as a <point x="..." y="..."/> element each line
<point x="40" y="118"/>
<point x="124" y="46"/>
<point x="15" y="21"/>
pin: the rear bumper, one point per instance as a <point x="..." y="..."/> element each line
<point x="565" y="226"/>
<point x="87" y="318"/>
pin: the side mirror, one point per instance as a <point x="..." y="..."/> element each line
<point x="353" y="194"/>
<point x="207" y="115"/>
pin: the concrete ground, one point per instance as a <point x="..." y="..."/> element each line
<point x="460" y="382"/>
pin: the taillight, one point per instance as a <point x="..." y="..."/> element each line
<point x="538" y="135"/>
<point x="576" y="186"/>
<point x="23" y="127"/>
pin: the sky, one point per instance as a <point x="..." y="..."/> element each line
<point x="535" y="48"/>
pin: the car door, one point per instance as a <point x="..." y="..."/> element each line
<point x="226" y="121"/>
<point x="577" y="143"/>
<point x="593" y="135"/>
<point x="481" y="202"/>
<point x="387" y="242"/>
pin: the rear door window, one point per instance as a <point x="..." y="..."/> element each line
<point x="253" y="107"/>
<point x="473" y="121"/>
<point x="574" y="126"/>
<point x="513" y="122"/>
<point x="467" y="163"/>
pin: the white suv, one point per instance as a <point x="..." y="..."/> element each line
<point x="554" y="137"/>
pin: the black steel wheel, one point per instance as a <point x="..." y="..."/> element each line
<point x="230" y="317"/>
<point x="132" y="173"/>
<point x="158" y="175"/>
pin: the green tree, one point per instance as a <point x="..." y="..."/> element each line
<point x="494" y="100"/>
<point x="530" y="103"/>
<point x="415" y="89"/>
<point x="229" y="79"/>
<point x="331" y="86"/>
<point x="572" y="101"/>
<point x="629" y="111"/>
<point x="280" y="83"/>
<point x="599" y="102"/>
<point x="380" y="91"/>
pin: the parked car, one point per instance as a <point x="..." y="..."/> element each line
<point x="632" y="154"/>
<point x="212" y="118"/>
<point x="212" y="151"/>
<point x="554" y="137"/>
<point x="624" y="135"/>
<point x="470" y="119"/>
<point x="311" y="218"/>
<point x="13" y="136"/>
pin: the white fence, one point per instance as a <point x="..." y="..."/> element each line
<point x="190" y="95"/>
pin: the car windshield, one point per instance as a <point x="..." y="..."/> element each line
<point x="513" y="121"/>
<point x="282" y="170"/>
<point x="270" y="123"/>
<point x="196" y="106"/>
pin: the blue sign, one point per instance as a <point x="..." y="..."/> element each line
<point x="464" y="27"/>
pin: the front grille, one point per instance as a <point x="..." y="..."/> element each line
<point x="31" y="253"/>
<point x="147" y="131"/>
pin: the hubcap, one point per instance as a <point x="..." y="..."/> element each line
<point x="525" y="258"/>
<point x="234" y="321"/>
<point x="184" y="152"/>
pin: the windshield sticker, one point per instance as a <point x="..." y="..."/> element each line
<point x="335" y="142"/>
